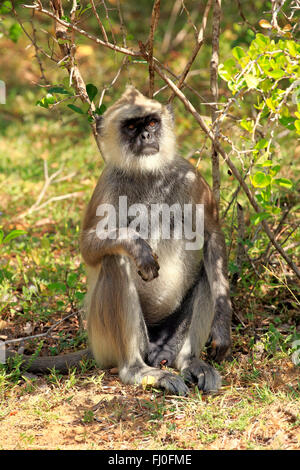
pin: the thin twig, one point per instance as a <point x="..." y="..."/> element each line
<point x="40" y="335"/>
<point x="122" y="24"/>
<point x="199" y="42"/>
<point x="190" y="108"/>
<point x="169" y="30"/>
<point x="93" y="38"/>
<point x="188" y="105"/>
<point x="214" y="64"/>
<point x="153" y="26"/>
<point x="99" y="22"/>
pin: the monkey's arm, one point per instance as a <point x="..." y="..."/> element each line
<point x="215" y="262"/>
<point x="118" y="241"/>
<point x="93" y="249"/>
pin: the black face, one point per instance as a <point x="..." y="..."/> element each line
<point x="142" y="134"/>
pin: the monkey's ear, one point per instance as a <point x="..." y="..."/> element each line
<point x="170" y="109"/>
<point x="99" y="124"/>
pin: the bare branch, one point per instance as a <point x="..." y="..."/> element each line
<point x="40" y="335"/>
<point x="188" y="105"/>
<point x="99" y="21"/>
<point x="199" y="42"/>
<point x="122" y="25"/>
<point x="93" y="38"/>
<point x="214" y="64"/>
<point x="168" y="34"/>
<point x="153" y="26"/>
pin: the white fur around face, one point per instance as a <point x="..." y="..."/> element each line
<point x="116" y="154"/>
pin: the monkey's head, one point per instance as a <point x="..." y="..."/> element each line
<point x="136" y="133"/>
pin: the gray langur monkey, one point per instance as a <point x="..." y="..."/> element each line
<point x="152" y="301"/>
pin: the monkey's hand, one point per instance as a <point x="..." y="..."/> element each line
<point x="147" y="264"/>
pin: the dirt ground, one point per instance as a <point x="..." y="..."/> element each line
<point x="98" y="412"/>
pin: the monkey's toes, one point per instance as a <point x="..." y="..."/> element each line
<point x="160" y="356"/>
<point x="173" y="384"/>
<point x="203" y="375"/>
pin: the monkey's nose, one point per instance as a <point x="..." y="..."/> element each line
<point x="145" y="135"/>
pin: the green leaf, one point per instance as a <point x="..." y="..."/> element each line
<point x="260" y="180"/>
<point x="265" y="164"/>
<point x="50" y="98"/>
<point x="228" y="69"/>
<point x="238" y="53"/>
<point x="66" y="18"/>
<point x="284" y="182"/>
<point x="266" y="85"/>
<point x="63" y="41"/>
<point x="100" y="110"/>
<point x="1" y="236"/>
<point x="275" y="210"/>
<point x="287" y="122"/>
<point x="91" y="91"/>
<point x="271" y="104"/>
<point x="291" y="45"/>
<point x="79" y="295"/>
<point x="261" y="144"/>
<point x="248" y="125"/>
<point x="58" y="89"/>
<point x="15" y="32"/>
<point x="262" y="40"/>
<point x="76" y="109"/>
<point x="257" y="218"/>
<point x="251" y="80"/>
<point x="72" y="278"/>
<point x="297" y="126"/>
<point x="13" y="234"/>
<point x="6" y="7"/>
<point x="274" y="170"/>
<point x="224" y="74"/>
<point x="276" y="73"/>
<point x="42" y="103"/>
<point x="57" y="287"/>
<point x="230" y="66"/>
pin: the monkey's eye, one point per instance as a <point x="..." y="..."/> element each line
<point x="152" y="123"/>
<point x="131" y="127"/>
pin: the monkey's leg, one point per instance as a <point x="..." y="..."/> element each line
<point x="215" y="262"/>
<point x="179" y="340"/>
<point x="166" y="338"/>
<point x="117" y="329"/>
<point x="193" y="369"/>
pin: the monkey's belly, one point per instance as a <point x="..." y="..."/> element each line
<point x="178" y="271"/>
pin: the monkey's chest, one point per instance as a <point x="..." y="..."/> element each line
<point x="177" y="273"/>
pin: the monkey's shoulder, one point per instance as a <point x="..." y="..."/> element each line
<point x="179" y="173"/>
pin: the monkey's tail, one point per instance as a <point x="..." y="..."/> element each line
<point x="106" y="304"/>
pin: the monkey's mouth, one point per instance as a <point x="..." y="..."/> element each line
<point x="148" y="149"/>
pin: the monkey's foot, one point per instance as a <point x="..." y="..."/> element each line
<point x="160" y="356"/>
<point x="203" y="375"/>
<point x="151" y="376"/>
<point x="218" y="348"/>
<point x="173" y="384"/>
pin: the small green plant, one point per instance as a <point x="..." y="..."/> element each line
<point x="88" y="416"/>
<point x="266" y="76"/>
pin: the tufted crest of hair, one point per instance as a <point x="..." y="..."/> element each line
<point x="131" y="105"/>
